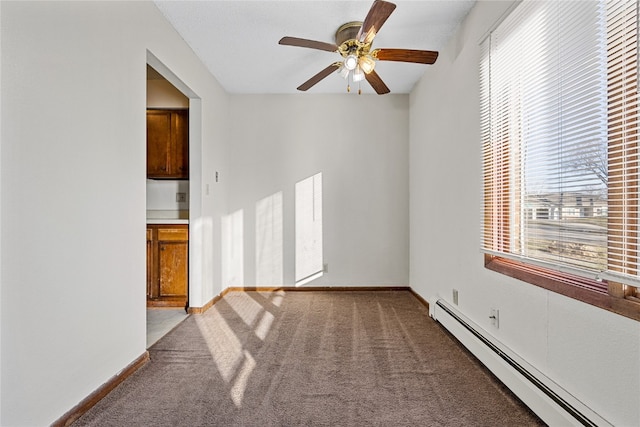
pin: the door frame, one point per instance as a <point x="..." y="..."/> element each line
<point x="195" y="175"/>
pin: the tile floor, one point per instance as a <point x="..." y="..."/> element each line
<point x="162" y="320"/>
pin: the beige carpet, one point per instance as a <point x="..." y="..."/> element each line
<point x="311" y="358"/>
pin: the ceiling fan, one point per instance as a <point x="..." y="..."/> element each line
<point x="353" y="42"/>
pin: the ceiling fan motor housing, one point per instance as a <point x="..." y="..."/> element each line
<point x="353" y="43"/>
<point x="348" y="31"/>
<point x="347" y="40"/>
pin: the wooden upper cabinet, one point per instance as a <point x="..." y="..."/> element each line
<point x="168" y="144"/>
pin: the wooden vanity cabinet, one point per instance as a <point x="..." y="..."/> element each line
<point x="168" y="144"/>
<point x="167" y="265"/>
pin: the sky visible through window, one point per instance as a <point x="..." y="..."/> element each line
<point x="551" y="72"/>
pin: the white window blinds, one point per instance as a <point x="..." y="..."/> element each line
<point x="555" y="99"/>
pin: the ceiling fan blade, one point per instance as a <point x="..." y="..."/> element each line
<point x="377" y="16"/>
<point x="321" y="75"/>
<point x="295" y="41"/>
<point x="376" y="83"/>
<point x="406" y="55"/>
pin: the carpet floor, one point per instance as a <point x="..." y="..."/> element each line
<point x="311" y="358"/>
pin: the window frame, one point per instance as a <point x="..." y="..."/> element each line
<point x="619" y="298"/>
<point x="576" y="287"/>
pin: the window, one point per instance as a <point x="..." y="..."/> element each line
<point x="559" y="124"/>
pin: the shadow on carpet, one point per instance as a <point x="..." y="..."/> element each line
<point x="310" y="358"/>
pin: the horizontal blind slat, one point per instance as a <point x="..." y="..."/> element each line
<point x="559" y="122"/>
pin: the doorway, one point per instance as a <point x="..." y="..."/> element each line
<point x="168" y="196"/>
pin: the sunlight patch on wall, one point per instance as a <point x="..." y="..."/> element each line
<point x="269" y="241"/>
<point x="200" y="251"/>
<point x="233" y="249"/>
<point x="309" y="261"/>
<point x="308" y="279"/>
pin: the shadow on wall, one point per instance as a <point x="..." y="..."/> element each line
<point x="270" y="238"/>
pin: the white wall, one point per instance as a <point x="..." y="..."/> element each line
<point x="1" y="280"/>
<point x="73" y="194"/>
<point x="161" y="194"/>
<point x="72" y="199"/>
<point x="592" y="353"/>
<point x="360" y="145"/>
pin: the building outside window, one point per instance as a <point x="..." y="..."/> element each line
<point x="559" y="128"/>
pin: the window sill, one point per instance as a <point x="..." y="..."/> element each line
<point x="585" y="290"/>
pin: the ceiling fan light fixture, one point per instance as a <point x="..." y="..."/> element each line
<point x="350" y="62"/>
<point x="367" y="64"/>
<point x="353" y="44"/>
<point x="358" y="74"/>
<point x="343" y="71"/>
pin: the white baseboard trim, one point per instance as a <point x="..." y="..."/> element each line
<point x="553" y="404"/>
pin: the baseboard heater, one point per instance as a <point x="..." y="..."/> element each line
<point x="553" y="404"/>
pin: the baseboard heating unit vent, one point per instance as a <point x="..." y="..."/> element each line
<point x="554" y="405"/>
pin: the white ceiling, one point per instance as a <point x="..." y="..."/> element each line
<point x="238" y="40"/>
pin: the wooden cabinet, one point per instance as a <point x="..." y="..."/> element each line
<point x="150" y="264"/>
<point x="167" y="265"/>
<point x="168" y="144"/>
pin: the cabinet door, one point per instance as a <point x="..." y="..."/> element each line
<point x="180" y="162"/>
<point x="168" y="144"/>
<point x="150" y="265"/>
<point x="174" y="268"/>
<point x="158" y="143"/>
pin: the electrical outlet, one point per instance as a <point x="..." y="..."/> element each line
<point x="181" y="197"/>
<point x="455" y="296"/>
<point x="495" y="318"/>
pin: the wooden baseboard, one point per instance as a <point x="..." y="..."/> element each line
<point x="419" y="298"/>
<point x="167" y="303"/>
<point x="87" y="403"/>
<point x="316" y="288"/>
<point x="207" y="306"/>
<point x="329" y="289"/>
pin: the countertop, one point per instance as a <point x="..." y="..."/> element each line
<point x="167" y="221"/>
<point x="167" y="217"/>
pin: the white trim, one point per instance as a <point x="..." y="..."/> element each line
<point x="532" y="395"/>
